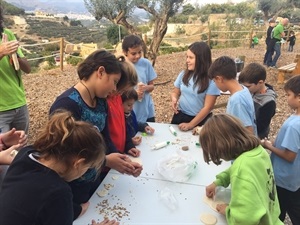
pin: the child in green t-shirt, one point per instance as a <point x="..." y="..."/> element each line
<point x="254" y="41"/>
<point x="251" y="178"/>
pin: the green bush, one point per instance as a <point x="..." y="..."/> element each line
<point x="170" y="50"/>
<point x="179" y="30"/>
<point x="74" y="61"/>
<point x="29" y="41"/>
<point x="34" y="64"/>
<point x="108" y="46"/>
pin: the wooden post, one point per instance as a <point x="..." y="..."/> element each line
<point x="61" y="54"/>
<point x="250" y="37"/>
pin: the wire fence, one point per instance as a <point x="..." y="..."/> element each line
<point x="212" y="38"/>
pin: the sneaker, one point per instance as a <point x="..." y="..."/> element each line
<point x="275" y="67"/>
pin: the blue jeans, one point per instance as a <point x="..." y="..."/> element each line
<point x="277" y="49"/>
<point x="16" y="118"/>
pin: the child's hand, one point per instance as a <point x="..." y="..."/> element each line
<point x="106" y="222"/>
<point x="266" y="143"/>
<point x="149" y="130"/>
<point x="140" y="90"/>
<point x="84" y="207"/>
<point x="196" y="130"/>
<point x="134" y="152"/>
<point x="120" y="162"/>
<point x="221" y="208"/>
<point x="185" y="126"/>
<point x="138" y="169"/>
<point x="137" y="140"/>
<point x="210" y="190"/>
<point x="14" y="137"/>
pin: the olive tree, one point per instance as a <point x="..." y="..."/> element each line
<point x="276" y="7"/>
<point x="118" y="12"/>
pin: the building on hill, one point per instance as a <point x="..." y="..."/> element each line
<point x="19" y="20"/>
<point x="84" y="49"/>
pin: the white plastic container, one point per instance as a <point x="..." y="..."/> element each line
<point x="161" y="145"/>
<point x="173" y="131"/>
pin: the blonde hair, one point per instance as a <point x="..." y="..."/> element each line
<point x="64" y="138"/>
<point x="224" y="137"/>
<point x="128" y="72"/>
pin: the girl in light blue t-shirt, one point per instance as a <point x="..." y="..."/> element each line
<point x="194" y="94"/>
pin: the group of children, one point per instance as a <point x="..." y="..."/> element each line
<point x="70" y="148"/>
<point x="256" y="180"/>
<point x="104" y="92"/>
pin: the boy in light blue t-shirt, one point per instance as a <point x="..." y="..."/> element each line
<point x="285" y="157"/>
<point x="133" y="50"/>
<point x="240" y="103"/>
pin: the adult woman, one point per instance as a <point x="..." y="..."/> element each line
<point x="194" y="94"/>
<point x="99" y="75"/>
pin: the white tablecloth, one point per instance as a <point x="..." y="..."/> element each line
<point x="150" y="199"/>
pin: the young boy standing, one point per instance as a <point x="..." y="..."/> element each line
<point x="133" y="50"/>
<point x="240" y="103"/>
<point x="253" y="76"/>
<point x="291" y="40"/>
<point x="285" y="158"/>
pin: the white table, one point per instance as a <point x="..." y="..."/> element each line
<point x="138" y="201"/>
<point x="204" y="175"/>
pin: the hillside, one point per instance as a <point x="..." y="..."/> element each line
<point x="30" y="30"/>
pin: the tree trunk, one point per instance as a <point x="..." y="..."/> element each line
<point x="160" y="29"/>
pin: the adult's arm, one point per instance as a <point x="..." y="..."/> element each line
<point x="24" y="65"/>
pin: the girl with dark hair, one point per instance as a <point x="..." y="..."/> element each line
<point x="100" y="76"/>
<point x="194" y="94"/>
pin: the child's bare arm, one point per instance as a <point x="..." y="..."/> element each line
<point x="286" y="154"/>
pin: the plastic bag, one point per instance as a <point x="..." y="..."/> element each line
<point x="222" y="194"/>
<point x="168" y="198"/>
<point x="177" y="167"/>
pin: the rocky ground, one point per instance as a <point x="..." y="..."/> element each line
<point x="43" y="87"/>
